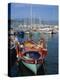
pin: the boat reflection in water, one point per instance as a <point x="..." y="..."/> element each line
<point x="24" y="71"/>
<point x="19" y="69"/>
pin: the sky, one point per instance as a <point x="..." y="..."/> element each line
<point x="44" y="12"/>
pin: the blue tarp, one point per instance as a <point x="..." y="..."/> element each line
<point x="33" y="54"/>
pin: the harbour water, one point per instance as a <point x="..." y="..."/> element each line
<point x="51" y="62"/>
<point x="52" y="58"/>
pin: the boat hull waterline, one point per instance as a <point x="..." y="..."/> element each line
<point x="32" y="67"/>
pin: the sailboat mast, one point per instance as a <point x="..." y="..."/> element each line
<point x="39" y="21"/>
<point x="31" y="16"/>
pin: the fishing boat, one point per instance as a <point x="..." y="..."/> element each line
<point x="32" y="56"/>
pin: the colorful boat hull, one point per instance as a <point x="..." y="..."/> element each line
<point x="32" y="67"/>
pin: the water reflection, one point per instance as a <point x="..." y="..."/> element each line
<point x="52" y="58"/>
<point x="21" y="70"/>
